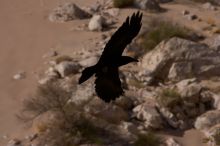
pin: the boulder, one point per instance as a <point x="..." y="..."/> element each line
<point x="149" y="115"/>
<point x="169" y="117"/>
<point x="149" y="5"/>
<point x="129" y="128"/>
<point x="191" y="92"/>
<point x="207" y="120"/>
<point x="83" y="93"/>
<point x="178" y="59"/>
<point x="209" y="6"/>
<point x="171" y="142"/>
<point x="89" y="61"/>
<point x="66" y="68"/>
<point x="213" y="42"/>
<point x="50" y="75"/>
<point x="96" y="23"/>
<point x="113" y="114"/>
<point x="68" y="12"/>
<point x="213" y="135"/>
<point x="114" y="12"/>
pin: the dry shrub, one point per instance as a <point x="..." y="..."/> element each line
<point x="70" y="123"/>
<point x="48" y="97"/>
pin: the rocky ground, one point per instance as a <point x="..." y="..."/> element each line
<point x="173" y="91"/>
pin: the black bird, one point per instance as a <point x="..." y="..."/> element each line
<point x="107" y="83"/>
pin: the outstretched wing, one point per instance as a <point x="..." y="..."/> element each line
<point x="122" y="37"/>
<point x="108" y="85"/>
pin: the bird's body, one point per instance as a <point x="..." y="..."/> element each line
<point x="108" y="84"/>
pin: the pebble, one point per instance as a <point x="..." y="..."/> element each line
<point x="20" y="75"/>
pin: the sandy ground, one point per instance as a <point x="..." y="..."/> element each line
<point x="25" y="36"/>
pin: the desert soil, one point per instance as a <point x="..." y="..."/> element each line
<point x="26" y="35"/>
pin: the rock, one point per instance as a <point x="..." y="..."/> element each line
<point x="206" y="96"/>
<point x="96" y="23"/>
<point x="149" y="115"/>
<point x="192" y="17"/>
<point x="213" y="135"/>
<point x="31" y="137"/>
<point x="66" y="68"/>
<point x="191" y="92"/>
<point x="167" y="59"/>
<point x="185" y="12"/>
<point x="209" y="6"/>
<point x="50" y="75"/>
<point x="20" y="75"/>
<point x="207" y="120"/>
<point x="114" y="12"/>
<point x="68" y="12"/>
<point x="217" y="2"/>
<point x="184" y="83"/>
<point x="179" y="68"/>
<point x="14" y="142"/>
<point x="213" y="98"/>
<point x="94" y="8"/>
<point x="171" y="142"/>
<point x="150" y="5"/>
<point x="5" y="136"/>
<point x="83" y="93"/>
<point x="89" y="61"/>
<point x="50" y="54"/>
<point x="125" y="103"/>
<point x="111" y="113"/>
<point x="213" y="42"/>
<point x="169" y="117"/>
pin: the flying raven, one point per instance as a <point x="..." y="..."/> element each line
<point x="107" y="83"/>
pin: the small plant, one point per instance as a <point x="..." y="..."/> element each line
<point x="122" y="3"/>
<point x="159" y="30"/>
<point x="149" y="139"/>
<point x="169" y="97"/>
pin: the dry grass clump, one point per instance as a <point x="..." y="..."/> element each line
<point x="122" y="3"/>
<point x="158" y="30"/>
<point x="48" y="97"/>
<point x="71" y="124"/>
<point x="169" y="97"/>
<point x="149" y="139"/>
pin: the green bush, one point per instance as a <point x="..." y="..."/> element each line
<point x="158" y="30"/>
<point x="122" y="3"/>
<point x="149" y="139"/>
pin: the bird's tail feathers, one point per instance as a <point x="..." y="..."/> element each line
<point x="87" y="73"/>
